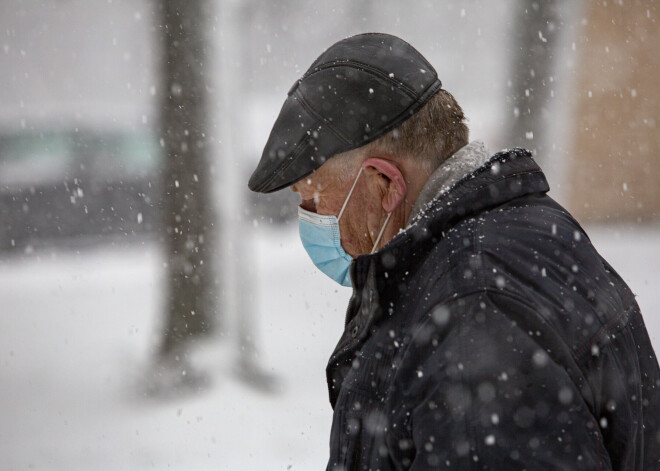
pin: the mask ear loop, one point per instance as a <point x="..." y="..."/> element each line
<point x="349" y="194"/>
<point x="380" y="234"/>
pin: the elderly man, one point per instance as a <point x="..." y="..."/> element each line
<point x="484" y="330"/>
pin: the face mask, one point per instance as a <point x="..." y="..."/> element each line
<point x="320" y="237"/>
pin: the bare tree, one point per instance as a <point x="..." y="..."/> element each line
<point x="187" y="208"/>
<point x="536" y="31"/>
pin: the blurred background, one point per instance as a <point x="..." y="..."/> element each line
<point x="156" y="315"/>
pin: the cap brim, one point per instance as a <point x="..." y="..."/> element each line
<point x="297" y="146"/>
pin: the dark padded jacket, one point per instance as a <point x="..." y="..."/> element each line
<point x="490" y="334"/>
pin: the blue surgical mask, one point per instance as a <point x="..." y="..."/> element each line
<point x="321" y="239"/>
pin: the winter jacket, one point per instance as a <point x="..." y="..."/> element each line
<point x="490" y="334"/>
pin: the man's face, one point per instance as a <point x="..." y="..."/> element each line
<point x="324" y="192"/>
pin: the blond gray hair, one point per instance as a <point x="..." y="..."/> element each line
<point x="430" y="137"/>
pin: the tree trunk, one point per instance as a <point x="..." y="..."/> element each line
<point x="187" y="208"/>
<point x="534" y="46"/>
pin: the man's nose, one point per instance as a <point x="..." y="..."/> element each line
<point x="308" y="203"/>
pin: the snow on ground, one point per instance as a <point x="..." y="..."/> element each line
<point x="76" y="334"/>
<point x="77" y="330"/>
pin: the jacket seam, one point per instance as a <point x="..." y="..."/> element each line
<point x="583" y="349"/>
<point x="406" y="348"/>
<point x="362" y="66"/>
<point x="408" y="422"/>
<point x="472" y="432"/>
<point x="469" y="428"/>
<point x="490" y="291"/>
<point x="607" y="329"/>
<point x="600" y="458"/>
<point x="478" y="250"/>
<point x="314" y="115"/>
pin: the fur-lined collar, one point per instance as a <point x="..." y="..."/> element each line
<point x="465" y="161"/>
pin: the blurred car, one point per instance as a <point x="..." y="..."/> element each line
<point x="55" y="185"/>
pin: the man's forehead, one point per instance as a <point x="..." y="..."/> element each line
<point x="328" y="172"/>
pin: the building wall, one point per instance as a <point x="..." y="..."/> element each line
<point x="615" y="169"/>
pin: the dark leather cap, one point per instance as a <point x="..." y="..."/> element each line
<point x="356" y="91"/>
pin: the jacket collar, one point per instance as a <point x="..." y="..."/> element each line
<point x="504" y="176"/>
<point x="465" y="161"/>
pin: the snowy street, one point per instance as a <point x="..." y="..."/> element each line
<point x="76" y="334"/>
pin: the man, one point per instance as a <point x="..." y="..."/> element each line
<point x="484" y="330"/>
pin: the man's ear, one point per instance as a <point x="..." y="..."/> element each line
<point x="395" y="184"/>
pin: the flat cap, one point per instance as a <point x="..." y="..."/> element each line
<point x="356" y="91"/>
